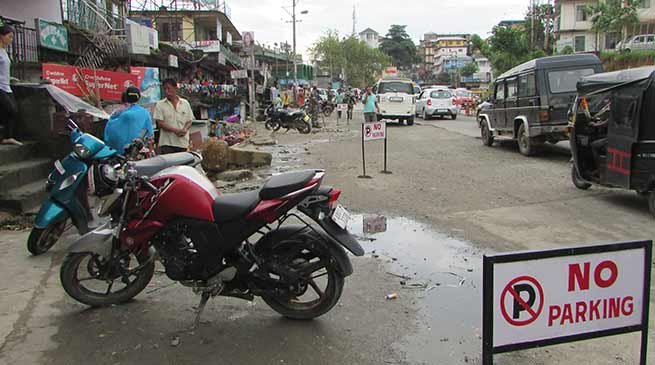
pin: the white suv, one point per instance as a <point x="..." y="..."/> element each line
<point x="396" y="99"/>
<point x="437" y="102"/>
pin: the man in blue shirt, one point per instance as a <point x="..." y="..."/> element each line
<point x="371" y="108"/>
<point x="128" y="124"/>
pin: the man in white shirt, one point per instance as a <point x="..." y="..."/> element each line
<point x="174" y="117"/>
<point x="8" y="109"/>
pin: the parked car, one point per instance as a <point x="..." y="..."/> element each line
<point x="639" y="42"/>
<point x="462" y="96"/>
<point x="396" y="99"/>
<point x="436" y="103"/>
<point x="531" y="101"/>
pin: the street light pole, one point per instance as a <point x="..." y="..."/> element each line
<point x="295" y="66"/>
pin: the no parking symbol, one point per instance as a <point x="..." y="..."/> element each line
<point x="522" y="301"/>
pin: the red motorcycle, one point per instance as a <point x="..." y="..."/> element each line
<point x="237" y="245"/>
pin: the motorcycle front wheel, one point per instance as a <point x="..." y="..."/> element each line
<point x="328" y="111"/>
<point x="42" y="239"/>
<point x="271" y="125"/>
<point x="321" y="285"/>
<point x="89" y="278"/>
<point x="305" y="129"/>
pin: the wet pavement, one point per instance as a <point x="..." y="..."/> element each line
<point x="444" y="275"/>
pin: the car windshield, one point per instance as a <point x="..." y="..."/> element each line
<point x="395" y="87"/>
<point x="565" y="81"/>
<point x="440" y="94"/>
<point x="462" y="93"/>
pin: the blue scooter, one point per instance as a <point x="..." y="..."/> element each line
<point x="86" y="169"/>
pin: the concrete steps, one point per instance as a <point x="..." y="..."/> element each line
<point x="22" y="177"/>
<point x="25" y="198"/>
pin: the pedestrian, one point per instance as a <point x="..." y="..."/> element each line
<point x="174" y="117"/>
<point x="339" y="101"/>
<point x="301" y="97"/>
<point x="130" y="123"/>
<point x="274" y="91"/>
<point x="371" y="108"/>
<point x="8" y="108"/>
<point x="285" y="98"/>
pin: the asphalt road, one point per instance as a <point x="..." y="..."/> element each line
<point x="449" y="201"/>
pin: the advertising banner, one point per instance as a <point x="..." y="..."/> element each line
<point x="83" y="81"/>
<point x="148" y="82"/>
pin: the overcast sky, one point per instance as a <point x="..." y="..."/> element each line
<point x="268" y="20"/>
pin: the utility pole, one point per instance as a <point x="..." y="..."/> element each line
<point x="295" y="66"/>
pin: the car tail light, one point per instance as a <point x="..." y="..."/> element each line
<point x="544" y="116"/>
<point x="429" y="102"/>
<point x="333" y="196"/>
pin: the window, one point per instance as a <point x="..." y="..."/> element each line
<point x="500" y="91"/>
<point x="511" y="89"/>
<point x="441" y="94"/>
<point x="611" y="40"/>
<point x="579" y="43"/>
<point x="650" y="39"/>
<point x="527" y="85"/>
<point x="580" y="14"/>
<point x="645" y="4"/>
<point x="565" y="81"/>
<point x="395" y="87"/>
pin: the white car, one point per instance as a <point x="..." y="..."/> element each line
<point x="396" y="99"/>
<point x="436" y="103"/>
<point x="639" y="42"/>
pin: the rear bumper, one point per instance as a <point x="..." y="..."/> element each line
<point x="557" y="131"/>
<point x="395" y="116"/>
<point x="451" y="110"/>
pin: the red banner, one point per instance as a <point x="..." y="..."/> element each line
<point x="83" y="81"/>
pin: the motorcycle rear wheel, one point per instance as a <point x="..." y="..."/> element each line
<point x="297" y="305"/>
<point x="305" y="129"/>
<point x="41" y="240"/>
<point x="96" y="272"/>
<point x="271" y="125"/>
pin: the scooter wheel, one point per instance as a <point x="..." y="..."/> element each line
<point x="41" y="240"/>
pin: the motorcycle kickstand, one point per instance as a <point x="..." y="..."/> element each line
<point x="201" y="307"/>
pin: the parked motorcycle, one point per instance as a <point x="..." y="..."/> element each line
<point x="78" y="174"/>
<point x="288" y="119"/>
<point x="236" y="245"/>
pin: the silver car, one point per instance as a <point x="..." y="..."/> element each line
<point x="436" y="103"/>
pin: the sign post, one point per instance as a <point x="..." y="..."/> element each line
<point x="370" y="132"/>
<point x="542" y="298"/>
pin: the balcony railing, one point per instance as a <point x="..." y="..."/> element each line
<point x="25" y="47"/>
<point x="92" y="15"/>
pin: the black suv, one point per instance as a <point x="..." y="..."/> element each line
<point x="531" y="101"/>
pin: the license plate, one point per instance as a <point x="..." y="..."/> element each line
<point x="443" y="111"/>
<point x="341" y="217"/>
<point x="306" y="118"/>
<point x="396" y="99"/>
<point x="60" y="168"/>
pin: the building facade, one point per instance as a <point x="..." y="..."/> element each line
<point x="573" y="27"/>
<point x="370" y="37"/>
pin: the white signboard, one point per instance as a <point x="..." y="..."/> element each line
<point x="584" y="292"/>
<point x="375" y="130"/>
<point x="221" y="58"/>
<point x="172" y="61"/>
<point x="239" y="74"/>
<point x="138" y="40"/>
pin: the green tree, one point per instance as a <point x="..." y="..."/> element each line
<point x="359" y="64"/>
<point x="613" y="16"/>
<point x="479" y="45"/>
<point x="508" y="48"/>
<point x="543" y="27"/>
<point x="444" y="78"/>
<point x="399" y="46"/>
<point x="469" y="69"/>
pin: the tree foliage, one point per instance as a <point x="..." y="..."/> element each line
<point x="543" y="28"/>
<point x="613" y="15"/>
<point x="399" y="46"/>
<point x="351" y="58"/>
<point x="469" y="69"/>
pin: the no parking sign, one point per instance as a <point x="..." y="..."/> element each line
<point x="540" y="298"/>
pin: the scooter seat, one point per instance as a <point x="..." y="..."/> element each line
<point x="151" y="166"/>
<point x="283" y="184"/>
<point x="229" y="207"/>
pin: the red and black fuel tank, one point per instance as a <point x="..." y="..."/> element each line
<point x="186" y="193"/>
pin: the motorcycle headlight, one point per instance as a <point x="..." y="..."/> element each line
<point x="81" y="151"/>
<point x="68" y="181"/>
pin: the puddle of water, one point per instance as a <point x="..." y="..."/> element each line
<point x="446" y="276"/>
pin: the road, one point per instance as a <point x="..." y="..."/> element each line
<point x="449" y="201"/>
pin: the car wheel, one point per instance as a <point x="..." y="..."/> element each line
<point x="410" y="121"/>
<point x="453" y="116"/>
<point x="425" y="115"/>
<point x="487" y="136"/>
<point x="527" y="145"/>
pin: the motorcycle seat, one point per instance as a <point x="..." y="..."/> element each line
<point x="290" y="111"/>
<point x="229" y="207"/>
<point x="151" y="166"/>
<point x="283" y="184"/>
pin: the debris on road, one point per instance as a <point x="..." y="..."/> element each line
<point x="375" y="224"/>
<point x="176" y="341"/>
<point x="391" y="296"/>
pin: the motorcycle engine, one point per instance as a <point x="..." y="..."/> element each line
<point x="190" y="250"/>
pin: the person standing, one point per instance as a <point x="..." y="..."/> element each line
<point x="371" y="108"/>
<point x="128" y="124"/>
<point x="174" y="117"/>
<point x="8" y="108"/>
<point x="274" y="92"/>
<point x="339" y="100"/>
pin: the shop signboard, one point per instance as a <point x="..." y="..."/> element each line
<point x="83" y="81"/>
<point x="52" y="35"/>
